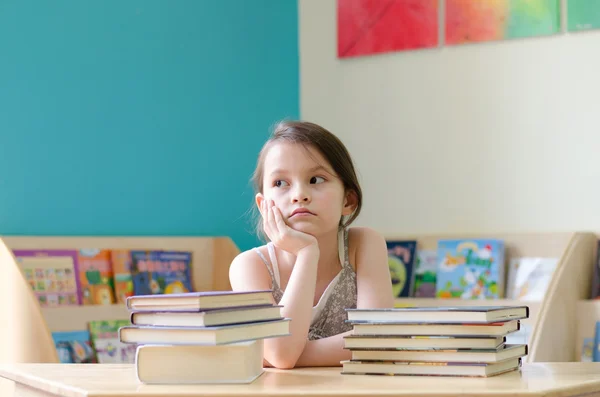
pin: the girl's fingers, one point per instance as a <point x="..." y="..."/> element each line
<point x="278" y="218"/>
<point x="265" y="215"/>
<point x="272" y="219"/>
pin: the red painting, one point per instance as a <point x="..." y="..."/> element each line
<point x="367" y="27"/>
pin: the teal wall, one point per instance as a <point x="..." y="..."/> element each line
<point x="139" y="117"/>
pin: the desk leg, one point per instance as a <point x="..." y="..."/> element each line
<point x="26" y="391"/>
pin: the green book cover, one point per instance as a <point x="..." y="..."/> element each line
<point x="108" y="347"/>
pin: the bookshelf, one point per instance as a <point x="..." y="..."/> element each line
<point x="211" y="257"/>
<point x="556" y="319"/>
<point x="558" y="323"/>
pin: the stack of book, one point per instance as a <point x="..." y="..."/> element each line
<point x="442" y="341"/>
<point x="201" y="337"/>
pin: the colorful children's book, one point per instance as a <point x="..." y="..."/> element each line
<point x="74" y="347"/>
<point x="161" y="272"/>
<point x="52" y="275"/>
<point x="470" y="269"/>
<point x="425" y="274"/>
<point x="401" y="261"/>
<point x="587" y="350"/>
<point x="121" y="262"/>
<point x="528" y="278"/>
<point x="105" y="340"/>
<point x="96" y="277"/>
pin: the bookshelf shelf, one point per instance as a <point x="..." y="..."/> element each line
<point x="72" y="318"/>
<point x="554" y="336"/>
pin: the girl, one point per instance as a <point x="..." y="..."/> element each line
<point x="308" y="194"/>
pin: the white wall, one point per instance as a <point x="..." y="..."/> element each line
<point x="487" y="137"/>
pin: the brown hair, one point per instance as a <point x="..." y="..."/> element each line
<point x="330" y="147"/>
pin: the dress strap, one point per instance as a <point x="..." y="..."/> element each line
<point x="274" y="263"/>
<point x="266" y="263"/>
<point x="343" y="248"/>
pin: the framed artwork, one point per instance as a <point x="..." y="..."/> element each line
<point x="472" y="21"/>
<point x="367" y="27"/>
<point x="583" y="15"/>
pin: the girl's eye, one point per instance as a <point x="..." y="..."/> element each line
<point x="317" y="179"/>
<point x="280" y="183"/>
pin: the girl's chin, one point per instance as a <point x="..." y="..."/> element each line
<point x="310" y="228"/>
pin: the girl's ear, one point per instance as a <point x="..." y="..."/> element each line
<point x="259" y="200"/>
<point x="350" y="203"/>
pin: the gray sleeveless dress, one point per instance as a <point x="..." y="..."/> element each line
<point x="331" y="318"/>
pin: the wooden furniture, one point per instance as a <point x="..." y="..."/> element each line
<point x="24" y="337"/>
<point x="588" y="313"/>
<point x="96" y="380"/>
<point x="554" y="333"/>
<point x="211" y="258"/>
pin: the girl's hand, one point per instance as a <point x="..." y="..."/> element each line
<point x="281" y="234"/>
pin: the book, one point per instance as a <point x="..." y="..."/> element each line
<point x="521" y="336"/>
<point x="190" y="364"/>
<point x="470" y="269"/>
<point x="430" y="369"/>
<point x="596" y="351"/>
<point x="529" y="277"/>
<point x="123" y="281"/>
<point x="214" y="317"/>
<point x="596" y="274"/>
<point x="466" y="355"/>
<point x="401" y="262"/>
<point x="421" y="342"/>
<point x="425" y="274"/>
<point x="492" y="329"/>
<point x="74" y="347"/>
<point x="587" y="350"/>
<point x="95" y="277"/>
<point x="161" y="272"/>
<point x="199" y="300"/>
<point x="104" y="336"/>
<point x="52" y="275"/>
<point x="440" y="314"/>
<point x="217" y="335"/>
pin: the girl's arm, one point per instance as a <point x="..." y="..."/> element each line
<point x="326" y="352"/>
<point x="374" y="287"/>
<point x="248" y="272"/>
<point x="373" y="280"/>
<point x="297" y="299"/>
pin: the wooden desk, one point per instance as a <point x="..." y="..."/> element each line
<point x="104" y="380"/>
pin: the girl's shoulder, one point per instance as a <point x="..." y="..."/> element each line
<point x="364" y="242"/>
<point x="362" y="235"/>
<point x="249" y="263"/>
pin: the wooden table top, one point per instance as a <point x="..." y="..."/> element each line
<point x="104" y="380"/>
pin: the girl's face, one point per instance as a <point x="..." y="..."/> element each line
<point x="305" y="188"/>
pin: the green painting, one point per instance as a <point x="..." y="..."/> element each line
<point x="583" y="15"/>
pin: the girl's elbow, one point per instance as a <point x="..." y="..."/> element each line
<point x="284" y="364"/>
<point x="283" y="359"/>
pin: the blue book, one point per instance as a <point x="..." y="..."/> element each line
<point x="470" y="269"/>
<point x="596" y="350"/>
<point x="74" y="347"/>
<point x="401" y="261"/>
<point x="161" y="272"/>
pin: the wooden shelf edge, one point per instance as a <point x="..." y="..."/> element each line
<point x="70" y="318"/>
